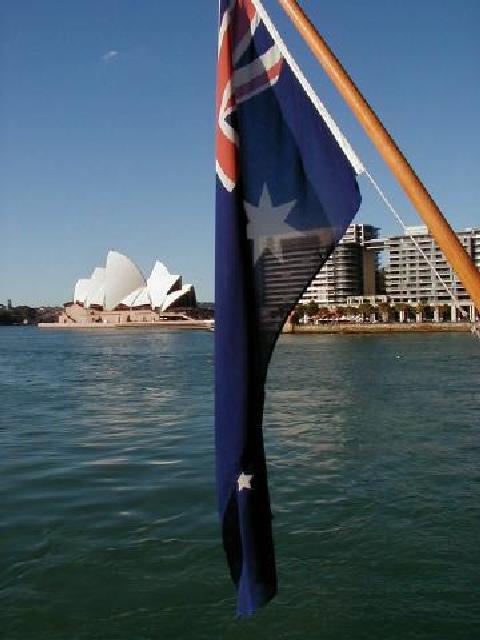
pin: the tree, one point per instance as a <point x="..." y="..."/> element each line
<point x="402" y="306"/>
<point x="444" y="311"/>
<point x="420" y="310"/>
<point x="312" y="308"/>
<point x="405" y="307"/>
<point x="385" y="310"/>
<point x="427" y="312"/>
<point x="297" y="313"/>
<point x="18" y="315"/>
<point x="366" y="309"/>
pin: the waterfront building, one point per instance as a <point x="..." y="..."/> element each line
<point x="408" y="276"/>
<point x="119" y="292"/>
<point x="351" y="270"/>
<point x="279" y="279"/>
<point x="410" y="279"/>
<point x="353" y="275"/>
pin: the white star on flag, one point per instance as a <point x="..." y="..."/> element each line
<point x="266" y="221"/>
<point x="244" y="480"/>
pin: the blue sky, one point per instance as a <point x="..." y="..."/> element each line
<point x="107" y="121"/>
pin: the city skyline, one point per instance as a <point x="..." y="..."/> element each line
<point x="107" y="124"/>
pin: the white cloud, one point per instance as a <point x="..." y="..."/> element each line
<point x="110" y="55"/>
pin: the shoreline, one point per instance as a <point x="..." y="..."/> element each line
<point x="380" y="327"/>
<point x="319" y="329"/>
<point x="193" y="325"/>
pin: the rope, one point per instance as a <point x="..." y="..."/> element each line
<point x="418" y="247"/>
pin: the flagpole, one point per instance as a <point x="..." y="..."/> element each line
<point x="438" y="226"/>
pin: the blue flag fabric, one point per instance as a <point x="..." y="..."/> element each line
<point x="286" y="193"/>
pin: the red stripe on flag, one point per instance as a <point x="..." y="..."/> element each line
<point x="226" y="150"/>
<point x="262" y="81"/>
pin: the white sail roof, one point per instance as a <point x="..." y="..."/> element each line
<point x="96" y="289"/>
<point x="160" y="283"/>
<point x="175" y="296"/>
<point x="121" y="282"/>
<point x="143" y="298"/>
<point x="129" y="301"/>
<point x="122" y="277"/>
<point x="81" y="290"/>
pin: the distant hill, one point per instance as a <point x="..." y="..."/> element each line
<point x="24" y="315"/>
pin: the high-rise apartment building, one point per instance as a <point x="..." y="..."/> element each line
<point x="409" y="277"/>
<point x="352" y="274"/>
<point x="350" y="271"/>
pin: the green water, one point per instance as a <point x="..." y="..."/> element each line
<point x="108" y="525"/>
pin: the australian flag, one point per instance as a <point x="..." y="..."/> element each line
<point x="286" y="193"/>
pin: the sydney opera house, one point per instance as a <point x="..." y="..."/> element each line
<point x="119" y="293"/>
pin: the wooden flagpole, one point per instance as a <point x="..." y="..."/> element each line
<point x="438" y="226"/>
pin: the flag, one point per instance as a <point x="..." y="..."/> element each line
<point x="286" y="192"/>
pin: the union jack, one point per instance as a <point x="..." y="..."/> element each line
<point x="237" y="84"/>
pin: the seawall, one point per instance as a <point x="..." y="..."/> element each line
<point x="378" y="327"/>
<point x="103" y="326"/>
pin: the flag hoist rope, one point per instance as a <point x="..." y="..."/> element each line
<point x="438" y="226"/>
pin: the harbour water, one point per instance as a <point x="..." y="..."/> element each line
<point x="108" y="524"/>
